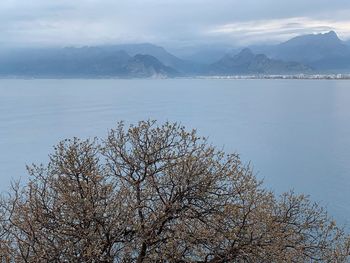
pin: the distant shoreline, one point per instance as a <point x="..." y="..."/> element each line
<point x="228" y="77"/>
<point x="298" y="76"/>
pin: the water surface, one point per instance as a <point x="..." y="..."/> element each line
<point x="296" y="133"/>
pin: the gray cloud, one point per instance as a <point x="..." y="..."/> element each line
<point x="181" y="22"/>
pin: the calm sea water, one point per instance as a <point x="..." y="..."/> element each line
<point x="296" y="133"/>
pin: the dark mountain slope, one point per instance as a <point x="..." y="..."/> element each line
<point x="148" y="66"/>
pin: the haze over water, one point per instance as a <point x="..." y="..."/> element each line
<point x="296" y="133"/>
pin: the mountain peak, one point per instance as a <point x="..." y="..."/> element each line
<point x="328" y="40"/>
<point x="331" y="35"/>
<point x="324" y="50"/>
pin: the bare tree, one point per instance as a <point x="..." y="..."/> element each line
<point x="158" y="193"/>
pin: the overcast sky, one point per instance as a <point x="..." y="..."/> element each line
<point x="167" y="22"/>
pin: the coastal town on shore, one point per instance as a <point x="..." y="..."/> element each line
<point x="297" y="76"/>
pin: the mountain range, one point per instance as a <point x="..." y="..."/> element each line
<point x="82" y="62"/>
<point x="323" y="52"/>
<point x="246" y="62"/>
<point x="307" y="54"/>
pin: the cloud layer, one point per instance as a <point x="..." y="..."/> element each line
<point x="180" y="22"/>
<point x="277" y="30"/>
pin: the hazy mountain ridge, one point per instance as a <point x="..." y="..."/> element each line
<point x="307" y="54"/>
<point x="180" y="65"/>
<point x="204" y="54"/>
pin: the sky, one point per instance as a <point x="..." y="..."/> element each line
<point x="167" y="22"/>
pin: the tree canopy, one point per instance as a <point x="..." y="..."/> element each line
<point x="158" y="193"/>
